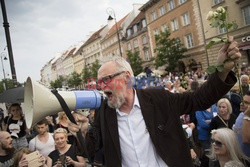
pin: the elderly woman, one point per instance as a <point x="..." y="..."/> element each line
<point x="226" y="149"/>
<point x="65" y="154"/>
<point x="225" y="118"/>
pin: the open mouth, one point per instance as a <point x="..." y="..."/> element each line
<point x="108" y="93"/>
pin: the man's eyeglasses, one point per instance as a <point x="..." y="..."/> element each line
<point x="216" y="142"/>
<point x="107" y="79"/>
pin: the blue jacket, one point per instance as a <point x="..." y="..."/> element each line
<point x="202" y="125"/>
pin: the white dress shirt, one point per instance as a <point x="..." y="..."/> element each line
<point x="137" y="149"/>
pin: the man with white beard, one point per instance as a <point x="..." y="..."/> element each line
<point x="6" y="149"/>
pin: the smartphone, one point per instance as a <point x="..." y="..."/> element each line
<point x="62" y="158"/>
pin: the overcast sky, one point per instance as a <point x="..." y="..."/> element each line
<point x="42" y="29"/>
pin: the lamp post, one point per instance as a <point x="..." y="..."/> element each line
<point x="111" y="12"/>
<point x="3" y="57"/>
<point x="7" y="34"/>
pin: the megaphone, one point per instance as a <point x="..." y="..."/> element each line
<point x="40" y="102"/>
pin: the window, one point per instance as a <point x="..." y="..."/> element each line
<point x="156" y="31"/>
<point x="218" y="1"/>
<point x="164" y="27"/>
<point x="153" y="15"/>
<point x="162" y="10"/>
<point x="144" y="39"/>
<point x="146" y="55"/>
<point x="129" y="32"/>
<point x="222" y="30"/>
<point x="135" y="43"/>
<point x="189" y="41"/>
<point x="175" y="25"/>
<point x="144" y="24"/>
<point x="246" y="14"/>
<point x="129" y="46"/>
<point x="182" y="1"/>
<point x="135" y="28"/>
<point x="185" y="19"/>
<point x="170" y="5"/>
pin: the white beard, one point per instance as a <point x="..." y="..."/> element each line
<point x="119" y="101"/>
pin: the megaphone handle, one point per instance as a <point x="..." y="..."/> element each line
<point x="71" y="118"/>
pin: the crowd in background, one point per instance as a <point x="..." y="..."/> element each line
<point x="216" y="136"/>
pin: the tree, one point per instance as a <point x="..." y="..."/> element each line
<point x="74" y="80"/>
<point x="135" y="62"/>
<point x="94" y="68"/>
<point x="57" y="83"/>
<point x="9" y="84"/>
<point x="169" y="51"/>
<point x="85" y="74"/>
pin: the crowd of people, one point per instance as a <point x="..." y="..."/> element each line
<point x="189" y="120"/>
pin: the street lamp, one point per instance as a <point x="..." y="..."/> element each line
<point x="111" y="12"/>
<point x="3" y="57"/>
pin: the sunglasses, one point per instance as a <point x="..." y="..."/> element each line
<point x="216" y="142"/>
<point x="106" y="80"/>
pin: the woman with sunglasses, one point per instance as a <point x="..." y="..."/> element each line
<point x="226" y="149"/>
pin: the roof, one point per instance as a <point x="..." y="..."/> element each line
<point x="70" y="52"/>
<point x="113" y="28"/>
<point x="149" y="4"/>
<point x="137" y="19"/>
<point x="94" y="36"/>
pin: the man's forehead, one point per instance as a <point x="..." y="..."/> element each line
<point x="4" y="135"/>
<point x="107" y="69"/>
<point x="41" y="125"/>
<point x="246" y="98"/>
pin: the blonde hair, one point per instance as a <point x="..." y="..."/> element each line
<point x="60" y="116"/>
<point x="230" y="140"/>
<point x="227" y="102"/>
<point x="60" y="130"/>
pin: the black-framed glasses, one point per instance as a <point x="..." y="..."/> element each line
<point x="108" y="79"/>
<point x="216" y="142"/>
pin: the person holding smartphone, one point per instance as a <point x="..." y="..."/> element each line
<point x="64" y="154"/>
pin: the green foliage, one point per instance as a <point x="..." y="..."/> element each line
<point x="94" y="68"/>
<point x="135" y="61"/>
<point x="85" y="74"/>
<point x="212" y="69"/>
<point x="218" y="18"/>
<point x="74" y="80"/>
<point x="9" y="84"/>
<point x="169" y="51"/>
<point x="57" y="83"/>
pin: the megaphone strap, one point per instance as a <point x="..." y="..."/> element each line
<point x="71" y="118"/>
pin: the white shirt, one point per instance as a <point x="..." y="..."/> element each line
<point x="43" y="148"/>
<point x="137" y="148"/>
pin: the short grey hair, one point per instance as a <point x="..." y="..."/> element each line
<point x="244" y="76"/>
<point x="121" y="63"/>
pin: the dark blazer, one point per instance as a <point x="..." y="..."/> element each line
<point x="161" y="111"/>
